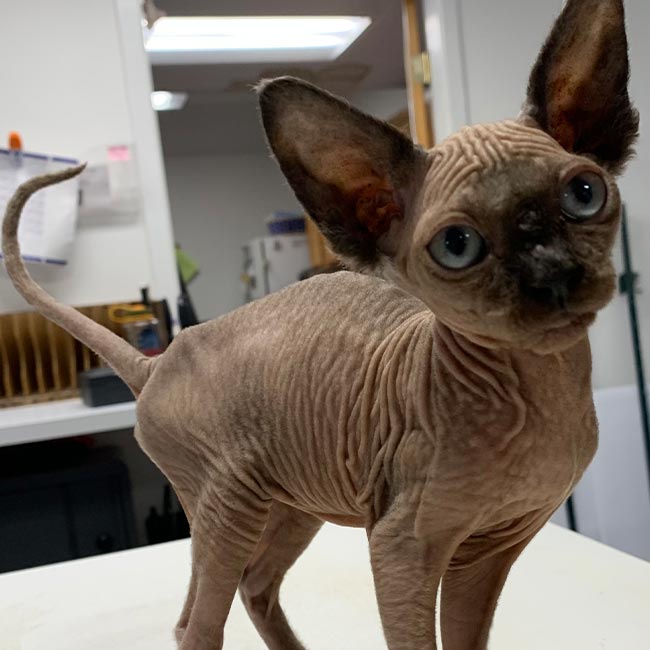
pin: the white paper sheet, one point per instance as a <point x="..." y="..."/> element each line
<point x="47" y="226"/>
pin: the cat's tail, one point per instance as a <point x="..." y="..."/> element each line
<point x="132" y="366"/>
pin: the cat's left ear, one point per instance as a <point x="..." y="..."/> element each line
<point x="578" y="91"/>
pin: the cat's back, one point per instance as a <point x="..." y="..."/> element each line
<point x="342" y="304"/>
<point x="341" y="314"/>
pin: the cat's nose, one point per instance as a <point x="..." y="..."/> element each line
<point x="554" y="287"/>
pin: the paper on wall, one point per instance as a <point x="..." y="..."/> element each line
<point x="47" y="226"/>
<point x="109" y="187"/>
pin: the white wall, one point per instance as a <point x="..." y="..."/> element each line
<point x="612" y="501"/>
<point x="66" y="77"/>
<point x="383" y="103"/>
<point x="493" y="47"/>
<point x="610" y="337"/>
<point x="62" y="76"/>
<point x="502" y="39"/>
<point x="218" y="203"/>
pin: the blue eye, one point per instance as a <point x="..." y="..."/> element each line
<point x="457" y="247"/>
<point x="583" y="197"/>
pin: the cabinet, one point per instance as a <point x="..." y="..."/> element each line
<point x="55" y="515"/>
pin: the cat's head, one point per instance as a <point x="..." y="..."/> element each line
<point x="504" y="230"/>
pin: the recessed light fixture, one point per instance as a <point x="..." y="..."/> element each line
<point x="251" y="39"/>
<point x="163" y="100"/>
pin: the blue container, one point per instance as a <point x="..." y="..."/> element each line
<point x="285" y="223"/>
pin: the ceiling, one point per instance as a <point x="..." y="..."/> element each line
<point x="221" y="113"/>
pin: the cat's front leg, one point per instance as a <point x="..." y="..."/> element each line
<point x="407" y="572"/>
<point x="473" y="582"/>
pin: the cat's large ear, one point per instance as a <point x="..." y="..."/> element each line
<point x="350" y="171"/>
<point x="578" y="91"/>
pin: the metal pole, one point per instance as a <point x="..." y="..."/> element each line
<point x="571" y="514"/>
<point x="627" y="283"/>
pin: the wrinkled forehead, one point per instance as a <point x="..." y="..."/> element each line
<point x="492" y="163"/>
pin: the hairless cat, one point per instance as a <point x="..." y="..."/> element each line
<point x="450" y="438"/>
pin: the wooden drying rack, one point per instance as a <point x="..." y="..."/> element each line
<point x="40" y="361"/>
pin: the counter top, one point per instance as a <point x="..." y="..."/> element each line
<point x="566" y="593"/>
<point x="60" y="419"/>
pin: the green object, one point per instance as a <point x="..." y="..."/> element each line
<point x="187" y="267"/>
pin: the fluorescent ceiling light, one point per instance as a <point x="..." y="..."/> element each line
<point x="251" y="39"/>
<point x="163" y="100"/>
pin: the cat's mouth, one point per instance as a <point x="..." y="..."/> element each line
<point x="572" y="321"/>
<point x="560" y="331"/>
<point x="564" y="333"/>
<point x="577" y="312"/>
<point x="554" y="331"/>
<point x="544" y="337"/>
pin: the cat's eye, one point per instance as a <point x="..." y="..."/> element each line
<point x="583" y="197"/>
<point x="457" y="247"/>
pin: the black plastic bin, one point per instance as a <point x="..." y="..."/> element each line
<point x="75" y="502"/>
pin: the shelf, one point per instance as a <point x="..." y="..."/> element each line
<point x="61" y="419"/>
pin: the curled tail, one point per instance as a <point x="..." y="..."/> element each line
<point x="132" y="366"/>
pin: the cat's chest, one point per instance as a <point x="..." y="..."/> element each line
<point x="517" y="447"/>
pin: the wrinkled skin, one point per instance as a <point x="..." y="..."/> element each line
<point x="446" y="452"/>
<point x="450" y="438"/>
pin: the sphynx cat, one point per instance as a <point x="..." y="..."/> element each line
<point x="451" y="439"/>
